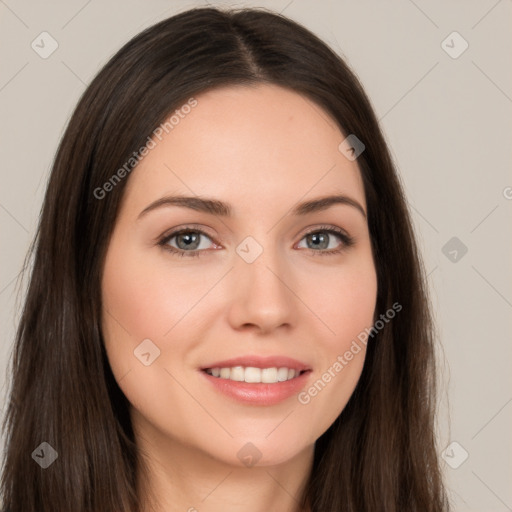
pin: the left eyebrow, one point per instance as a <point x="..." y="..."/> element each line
<point x="216" y="207"/>
<point x="322" y="203"/>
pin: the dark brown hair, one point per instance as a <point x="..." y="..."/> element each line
<point x="379" y="454"/>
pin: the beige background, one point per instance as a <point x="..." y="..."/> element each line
<point x="449" y="125"/>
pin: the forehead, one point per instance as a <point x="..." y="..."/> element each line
<point x="247" y="144"/>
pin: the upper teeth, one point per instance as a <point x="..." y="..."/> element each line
<point x="251" y="374"/>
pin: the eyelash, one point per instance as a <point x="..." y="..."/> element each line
<point x="347" y="241"/>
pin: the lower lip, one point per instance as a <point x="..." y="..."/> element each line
<point x="258" y="393"/>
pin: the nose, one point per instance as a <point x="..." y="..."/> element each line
<point x="261" y="295"/>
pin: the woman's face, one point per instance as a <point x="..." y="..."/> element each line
<point x="254" y="285"/>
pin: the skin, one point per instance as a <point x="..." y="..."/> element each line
<point x="262" y="149"/>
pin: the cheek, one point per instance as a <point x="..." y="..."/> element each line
<point x="142" y="296"/>
<point x="347" y="308"/>
<point x="142" y="302"/>
<point x="346" y="304"/>
<point x="358" y="300"/>
<point x="139" y="303"/>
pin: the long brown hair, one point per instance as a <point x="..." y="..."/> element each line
<point x="379" y="454"/>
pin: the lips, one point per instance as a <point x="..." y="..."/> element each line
<point x="258" y="393"/>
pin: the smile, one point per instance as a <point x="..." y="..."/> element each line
<point x="254" y="375"/>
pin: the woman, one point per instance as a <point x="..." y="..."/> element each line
<point x="290" y="365"/>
